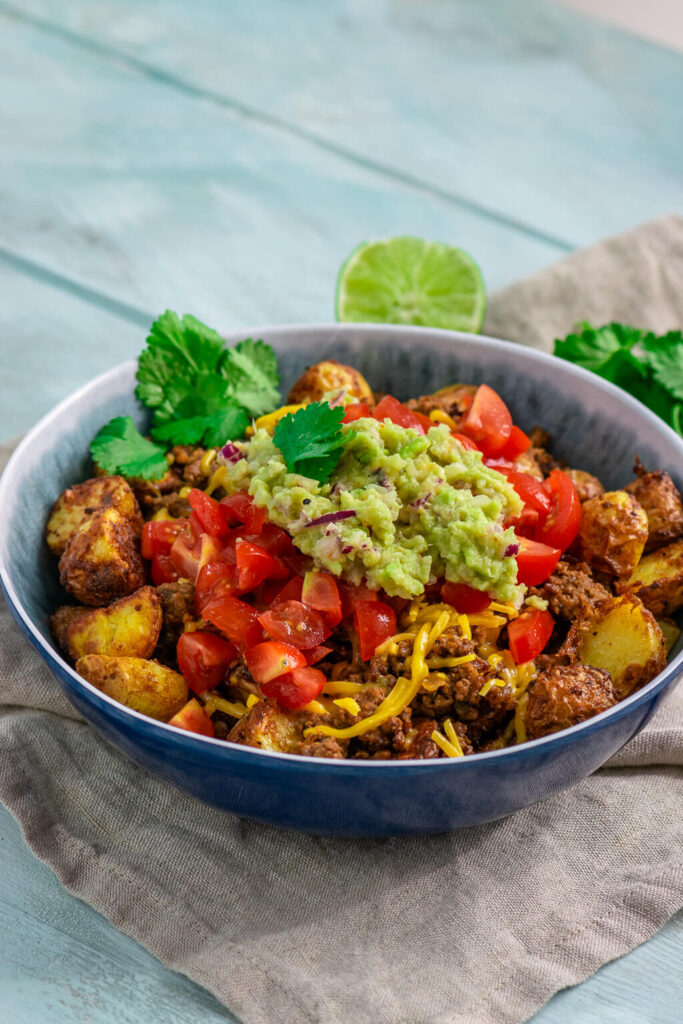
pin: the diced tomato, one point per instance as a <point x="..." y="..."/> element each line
<point x="488" y="421"/>
<point x="254" y="565"/>
<point x="465" y="441"/>
<point x="210" y="550"/>
<point x="375" y="622"/>
<point x="240" y="508"/>
<point x="317" y="654"/>
<point x="390" y="408"/>
<point x="209" y="513"/>
<point x="562" y="524"/>
<point x="193" y="718"/>
<point x="290" y="592"/>
<point x="535" y="562"/>
<point x="237" y="619"/>
<point x="214" y="579"/>
<point x="185" y="553"/>
<point x="273" y="539"/>
<point x="499" y="464"/>
<point x="297" y="562"/>
<point x="194" y="525"/>
<point x="272" y="658"/>
<point x="526" y="524"/>
<point x="531" y="491"/>
<point x="349" y="594"/>
<point x="296" y="688"/>
<point x="356" y="411"/>
<point x="294" y="623"/>
<point x="203" y="659"/>
<point x="320" y="591"/>
<point x="516" y="444"/>
<point x="158" y="536"/>
<point x="163" y="569"/>
<point x="529" y="634"/>
<point x="464" y="598"/>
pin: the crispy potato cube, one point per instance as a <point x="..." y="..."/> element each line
<point x="622" y="637"/>
<point x="613" y="532"/>
<point x="330" y="375"/>
<point x="671" y="634"/>
<point x="102" y="560"/>
<point x="658" y="580"/>
<point x="129" y="627"/>
<point x="80" y="502"/>
<point x="145" y="686"/>
<point x="587" y="485"/>
<point x="659" y="496"/>
<point x="269" y="727"/>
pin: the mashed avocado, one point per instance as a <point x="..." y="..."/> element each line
<point x="425" y="509"/>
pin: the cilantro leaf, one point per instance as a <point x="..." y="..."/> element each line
<point x="199" y="411"/>
<point x="311" y="440"/>
<point x="176" y="346"/>
<point x="664" y="356"/>
<point x="253" y="372"/>
<point x="119" y="447"/>
<point x="593" y="346"/>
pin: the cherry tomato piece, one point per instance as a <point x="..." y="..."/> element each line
<point x="349" y="594"/>
<point x="237" y="619"/>
<point x="210" y="550"/>
<point x="531" y="491"/>
<point x="465" y="441"/>
<point x="517" y="443"/>
<point x="564" y="519"/>
<point x="374" y="622"/>
<point x="535" y="561"/>
<point x="526" y="524"/>
<point x="203" y="659"/>
<point x="254" y="565"/>
<point x="185" y="553"/>
<point x="317" y="654"/>
<point x="320" y="591"/>
<point x="240" y="508"/>
<point x="158" y="536"/>
<point x="193" y="718"/>
<point x="208" y="512"/>
<point x="295" y="624"/>
<point x="391" y="409"/>
<point x="488" y="421"/>
<point x="465" y="599"/>
<point x="529" y="633"/>
<point x="272" y="658"/>
<point x="290" y="592"/>
<point x="163" y="569"/>
<point x="296" y="688"/>
<point x="214" y="578"/>
<point x="356" y="411"/>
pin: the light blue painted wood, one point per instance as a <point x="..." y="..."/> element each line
<point x="223" y="158"/>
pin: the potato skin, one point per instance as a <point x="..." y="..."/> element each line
<point x="613" y="532"/>
<point x="658" y="580"/>
<point x="129" y="627"/>
<point x="329" y="375"/>
<point x="622" y="637"/>
<point x="102" y="560"/>
<point x="587" y="485"/>
<point x="659" y="496"/>
<point x="78" y="503"/>
<point x="144" y="686"/>
<point x="268" y="727"/>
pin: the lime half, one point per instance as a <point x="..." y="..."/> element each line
<point x="407" y="280"/>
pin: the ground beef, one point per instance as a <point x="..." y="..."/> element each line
<point x="571" y="591"/>
<point x="453" y="401"/>
<point x="562" y="696"/>
<point x="177" y="605"/>
<point x="418" y="743"/>
<point x="321" y="746"/>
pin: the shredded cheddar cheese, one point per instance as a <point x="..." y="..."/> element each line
<point x="348" y="704"/>
<point x="315" y="706"/>
<point x="342" y="686"/>
<point x="206" y="460"/>
<point x="252" y="699"/>
<point x="451" y="746"/>
<point x="437" y="416"/>
<point x="520" y="711"/>
<point x="234" y="708"/>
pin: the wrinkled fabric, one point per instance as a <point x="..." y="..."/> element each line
<point x="480" y="926"/>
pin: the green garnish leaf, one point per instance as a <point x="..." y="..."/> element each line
<point x="311" y="440"/>
<point x="199" y="411"/>
<point x="254" y="376"/>
<point x="119" y="447"/>
<point x="648" y="366"/>
<point x="176" y="346"/>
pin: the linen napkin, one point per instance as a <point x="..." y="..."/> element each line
<point x="475" y="927"/>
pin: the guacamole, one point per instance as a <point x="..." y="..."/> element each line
<point x="417" y="508"/>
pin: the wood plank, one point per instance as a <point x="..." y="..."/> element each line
<point x="528" y="110"/>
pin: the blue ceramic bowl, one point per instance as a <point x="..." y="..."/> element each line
<point x="595" y="426"/>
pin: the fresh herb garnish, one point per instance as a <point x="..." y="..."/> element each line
<point x="648" y="366"/>
<point x="120" y="448"/>
<point x="311" y="440"/>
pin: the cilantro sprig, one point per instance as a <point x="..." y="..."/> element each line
<point x="648" y="366"/>
<point x="120" y="448"/>
<point x="199" y="392"/>
<point x="311" y="440"/>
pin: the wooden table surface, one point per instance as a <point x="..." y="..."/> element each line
<point x="223" y="159"/>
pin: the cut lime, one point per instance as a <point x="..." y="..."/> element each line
<point x="407" y="280"/>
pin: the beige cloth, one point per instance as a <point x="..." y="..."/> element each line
<point x="476" y="927"/>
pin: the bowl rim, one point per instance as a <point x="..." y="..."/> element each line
<point x="55" y="661"/>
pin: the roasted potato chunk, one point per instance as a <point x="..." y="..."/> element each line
<point x="587" y="485"/>
<point x="101" y="561"/>
<point x="623" y="638"/>
<point x="565" y="695"/>
<point x="671" y="634"/>
<point x="613" y="532"/>
<point x="78" y="503"/>
<point x="145" y="686"/>
<point x="658" y="495"/>
<point x="269" y="727"/>
<point x="129" y="627"/>
<point x="658" y="580"/>
<point x="329" y="375"/>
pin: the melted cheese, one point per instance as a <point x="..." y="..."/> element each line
<point x="348" y="704"/>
